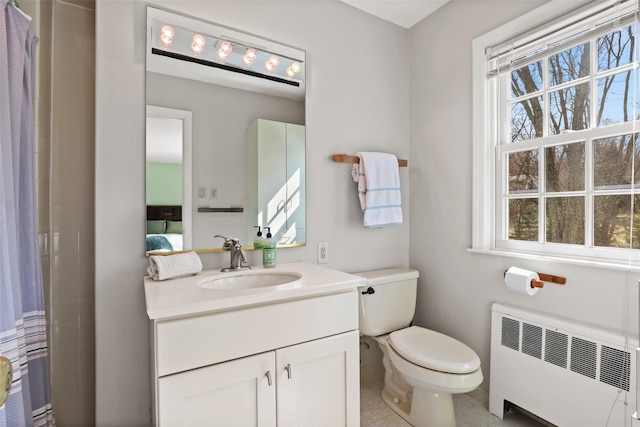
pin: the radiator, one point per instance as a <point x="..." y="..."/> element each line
<point x="565" y="373"/>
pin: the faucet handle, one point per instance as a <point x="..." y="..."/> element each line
<point x="227" y="241"/>
<point x="230" y="241"/>
<point x="235" y="244"/>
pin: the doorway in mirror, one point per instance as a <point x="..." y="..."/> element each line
<point x="168" y="179"/>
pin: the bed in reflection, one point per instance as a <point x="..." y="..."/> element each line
<point x="164" y="228"/>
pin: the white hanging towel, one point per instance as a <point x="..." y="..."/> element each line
<point x="379" y="188"/>
<point x="163" y="267"/>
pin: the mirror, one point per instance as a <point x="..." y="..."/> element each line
<point x="213" y="113"/>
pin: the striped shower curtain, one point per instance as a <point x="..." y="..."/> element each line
<point x="23" y="335"/>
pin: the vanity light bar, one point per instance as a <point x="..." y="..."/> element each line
<point x="214" y="64"/>
<point x="186" y="45"/>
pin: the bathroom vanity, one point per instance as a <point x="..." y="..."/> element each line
<point x="269" y="347"/>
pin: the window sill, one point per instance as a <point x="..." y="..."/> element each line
<point x="628" y="265"/>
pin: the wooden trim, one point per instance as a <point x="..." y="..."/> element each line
<point x="344" y="158"/>
<point x="558" y="280"/>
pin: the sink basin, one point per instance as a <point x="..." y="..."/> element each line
<point x="249" y="280"/>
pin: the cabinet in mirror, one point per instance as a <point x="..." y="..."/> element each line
<point x="220" y="170"/>
<point x="276" y="187"/>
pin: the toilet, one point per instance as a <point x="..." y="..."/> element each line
<point x="423" y="368"/>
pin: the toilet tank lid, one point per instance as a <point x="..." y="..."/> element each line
<point x="388" y="275"/>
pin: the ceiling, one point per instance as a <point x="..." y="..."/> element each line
<point x="405" y="13"/>
<point x="164" y="140"/>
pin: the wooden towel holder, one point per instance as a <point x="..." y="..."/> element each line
<point x="344" y="158"/>
<point x="558" y="280"/>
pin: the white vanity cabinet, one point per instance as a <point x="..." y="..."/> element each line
<point x="302" y="385"/>
<point x="286" y="363"/>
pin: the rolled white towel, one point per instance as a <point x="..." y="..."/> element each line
<point x="163" y="267"/>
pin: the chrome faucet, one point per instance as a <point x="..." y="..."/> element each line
<point x="237" y="255"/>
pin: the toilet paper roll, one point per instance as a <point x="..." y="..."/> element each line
<point x="519" y="280"/>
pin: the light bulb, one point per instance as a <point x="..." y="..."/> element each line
<point x="197" y="44"/>
<point x="272" y="63"/>
<point x="293" y="69"/>
<point x="250" y="56"/>
<point x="225" y="50"/>
<point x="166" y="35"/>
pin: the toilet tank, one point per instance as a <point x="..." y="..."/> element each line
<point x="390" y="303"/>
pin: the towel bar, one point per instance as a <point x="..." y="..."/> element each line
<point x="344" y="158"/>
<point x="220" y="209"/>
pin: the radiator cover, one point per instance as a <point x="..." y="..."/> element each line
<point x="566" y="373"/>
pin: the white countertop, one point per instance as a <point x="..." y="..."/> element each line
<point x="185" y="297"/>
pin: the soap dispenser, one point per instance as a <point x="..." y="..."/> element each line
<point x="258" y="242"/>
<point x="268" y="250"/>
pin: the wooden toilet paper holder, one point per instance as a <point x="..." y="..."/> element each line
<point x="558" y="280"/>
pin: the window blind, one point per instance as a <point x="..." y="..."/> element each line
<point x="595" y="19"/>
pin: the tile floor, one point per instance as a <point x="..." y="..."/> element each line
<point x="469" y="412"/>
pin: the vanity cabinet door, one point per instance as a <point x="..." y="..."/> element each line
<point x="319" y="382"/>
<point x="241" y="392"/>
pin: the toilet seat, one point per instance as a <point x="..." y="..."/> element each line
<point x="433" y="350"/>
<point x="430" y="379"/>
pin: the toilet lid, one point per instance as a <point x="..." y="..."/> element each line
<point x="433" y="350"/>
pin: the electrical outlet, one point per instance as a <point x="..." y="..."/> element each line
<point x="323" y="253"/>
<point x="213" y="192"/>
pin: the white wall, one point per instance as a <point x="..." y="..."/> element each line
<point x="356" y="101"/>
<point x="456" y="287"/>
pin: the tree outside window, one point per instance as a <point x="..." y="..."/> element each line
<point x="572" y="155"/>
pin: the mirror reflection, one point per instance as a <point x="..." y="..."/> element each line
<point x="276" y="188"/>
<point x="168" y="178"/>
<point x="239" y="164"/>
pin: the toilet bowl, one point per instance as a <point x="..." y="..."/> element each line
<point x="423" y="368"/>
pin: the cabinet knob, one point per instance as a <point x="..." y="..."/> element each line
<point x="268" y="375"/>
<point x="288" y="369"/>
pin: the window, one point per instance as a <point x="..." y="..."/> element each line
<point x="557" y="134"/>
